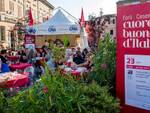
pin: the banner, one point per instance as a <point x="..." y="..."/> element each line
<point x="133" y="57"/>
<point x="53" y="29"/>
<point x="29" y="39"/>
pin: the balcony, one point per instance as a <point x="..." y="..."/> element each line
<point x="6" y="18"/>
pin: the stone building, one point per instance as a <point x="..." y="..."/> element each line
<point x="111" y="25"/>
<point x="11" y="11"/>
<point x="97" y="27"/>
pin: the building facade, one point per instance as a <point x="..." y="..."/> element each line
<point x="111" y="25"/>
<point x="11" y="11"/>
<point x="97" y="27"/>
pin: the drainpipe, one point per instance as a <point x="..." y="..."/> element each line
<point x="38" y="11"/>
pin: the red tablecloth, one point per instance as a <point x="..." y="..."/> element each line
<point x="20" y="66"/>
<point x="75" y="73"/>
<point x="13" y="58"/>
<point x="18" y="80"/>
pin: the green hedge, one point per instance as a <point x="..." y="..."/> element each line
<point x="104" y="71"/>
<point x="57" y="94"/>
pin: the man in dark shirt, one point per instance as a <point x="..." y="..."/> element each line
<point x="78" y="59"/>
<point x="3" y="56"/>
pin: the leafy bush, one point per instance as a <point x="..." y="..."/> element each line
<point x="3" y="102"/>
<point x="57" y="94"/>
<point x="66" y="41"/>
<point x="104" y="70"/>
<point x="58" y="53"/>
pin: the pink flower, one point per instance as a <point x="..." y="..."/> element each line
<point x="104" y="66"/>
<point x="45" y="89"/>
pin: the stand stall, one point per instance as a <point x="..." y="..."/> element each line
<point x="56" y="28"/>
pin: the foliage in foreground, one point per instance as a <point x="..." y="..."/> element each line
<point x="57" y="94"/>
<point x="104" y="71"/>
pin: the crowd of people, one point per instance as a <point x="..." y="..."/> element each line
<point x="80" y="58"/>
<point x="37" y="57"/>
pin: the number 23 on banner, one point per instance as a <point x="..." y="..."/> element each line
<point x="130" y="60"/>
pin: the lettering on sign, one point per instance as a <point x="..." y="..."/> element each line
<point x="136" y="31"/>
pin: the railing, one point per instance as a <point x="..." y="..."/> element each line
<point x="7" y="18"/>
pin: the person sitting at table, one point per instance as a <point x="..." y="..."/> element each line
<point x="73" y="51"/>
<point x="78" y="49"/>
<point x="3" y="56"/>
<point x="84" y="53"/>
<point x="23" y="57"/>
<point x="30" y="55"/>
<point x="88" y="63"/>
<point x="38" y="54"/>
<point x="77" y="58"/>
<point x="43" y="51"/>
<point x="38" y="69"/>
<point x="4" y="67"/>
<point x="50" y="61"/>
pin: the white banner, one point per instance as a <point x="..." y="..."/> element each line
<point x="53" y="30"/>
<point x="137" y="81"/>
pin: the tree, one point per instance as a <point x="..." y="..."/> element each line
<point x="95" y="27"/>
<point x="19" y="31"/>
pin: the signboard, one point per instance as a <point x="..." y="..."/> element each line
<point x="137" y="81"/>
<point x="54" y="29"/>
<point x="133" y="57"/>
<point x="29" y="41"/>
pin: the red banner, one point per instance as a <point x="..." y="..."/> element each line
<point x="29" y="39"/>
<point x="133" y="48"/>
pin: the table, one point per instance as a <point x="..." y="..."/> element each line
<point x="13" y="58"/>
<point x="13" y="80"/>
<point x="19" y="66"/>
<point x="76" y="72"/>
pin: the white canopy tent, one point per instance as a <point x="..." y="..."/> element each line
<point x="59" y="24"/>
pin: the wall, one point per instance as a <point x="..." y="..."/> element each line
<point x="19" y="10"/>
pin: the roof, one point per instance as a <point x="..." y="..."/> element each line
<point x="59" y="18"/>
<point x="60" y="23"/>
<point x="110" y="15"/>
<point x="65" y="13"/>
<point x="47" y="3"/>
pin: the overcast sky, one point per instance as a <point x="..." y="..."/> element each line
<point x="89" y="6"/>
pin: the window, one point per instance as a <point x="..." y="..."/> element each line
<point x="19" y="11"/>
<point x="27" y="12"/>
<point x="11" y="6"/>
<point x="2" y="8"/>
<point x="113" y="21"/>
<point x="111" y="32"/>
<point x="2" y="33"/>
<point x="27" y="6"/>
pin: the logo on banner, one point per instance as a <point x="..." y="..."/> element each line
<point x="51" y="29"/>
<point x="73" y="28"/>
<point x="135" y="31"/>
<point x="31" y="30"/>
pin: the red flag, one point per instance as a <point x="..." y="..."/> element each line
<point x="30" y="17"/>
<point x="82" y="21"/>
